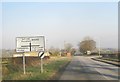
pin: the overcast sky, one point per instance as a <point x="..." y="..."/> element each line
<point x="59" y="22"/>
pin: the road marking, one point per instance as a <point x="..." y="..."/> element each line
<point x="102" y="74"/>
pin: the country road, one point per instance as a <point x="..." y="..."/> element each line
<point x="84" y="68"/>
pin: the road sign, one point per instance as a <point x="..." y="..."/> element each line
<point x="41" y="54"/>
<point x="26" y="44"/>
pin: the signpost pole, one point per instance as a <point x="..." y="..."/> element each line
<point x="41" y="65"/>
<point x="24" y="63"/>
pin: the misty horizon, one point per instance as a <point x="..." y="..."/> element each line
<point x="60" y="22"/>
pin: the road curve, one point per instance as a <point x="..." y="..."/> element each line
<point x="84" y="68"/>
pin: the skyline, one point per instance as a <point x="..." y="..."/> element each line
<point x="60" y="22"/>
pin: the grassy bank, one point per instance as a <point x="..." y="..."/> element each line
<point x="51" y="67"/>
<point x="111" y="59"/>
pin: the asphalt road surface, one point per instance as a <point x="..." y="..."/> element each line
<point x="84" y="68"/>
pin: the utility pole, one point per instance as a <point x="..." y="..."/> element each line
<point x="60" y="50"/>
<point x="64" y="45"/>
<point x="46" y="45"/>
<point x="98" y="46"/>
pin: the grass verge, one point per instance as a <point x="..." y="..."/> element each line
<point x="51" y="67"/>
<point x="111" y="59"/>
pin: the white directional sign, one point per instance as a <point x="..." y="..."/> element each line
<point x="26" y="44"/>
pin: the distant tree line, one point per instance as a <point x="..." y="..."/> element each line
<point x="68" y="48"/>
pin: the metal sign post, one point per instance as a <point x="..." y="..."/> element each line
<point x="41" y="65"/>
<point x="41" y="55"/>
<point x="24" y="63"/>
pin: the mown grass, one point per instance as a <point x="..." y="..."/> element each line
<point x="51" y="67"/>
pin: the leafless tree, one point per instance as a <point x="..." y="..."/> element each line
<point x="54" y="51"/>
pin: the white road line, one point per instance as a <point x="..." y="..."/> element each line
<point x="102" y="74"/>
